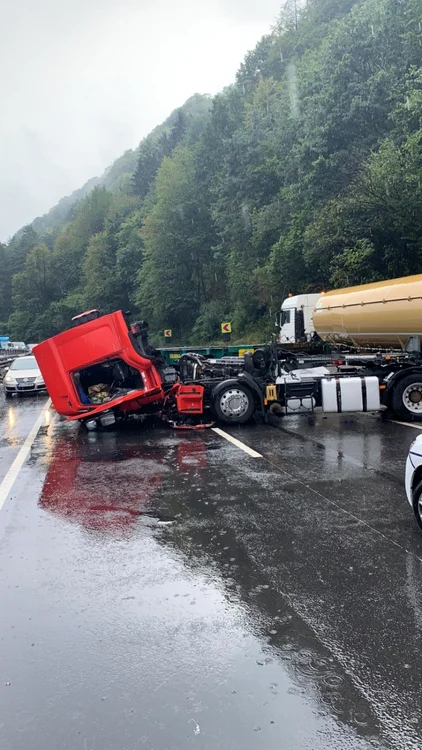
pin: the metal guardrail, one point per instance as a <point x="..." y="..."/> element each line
<point x="8" y="353"/>
<point x="4" y="364"/>
<point x="6" y="359"/>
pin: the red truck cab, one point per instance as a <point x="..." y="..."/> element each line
<point x="101" y="364"/>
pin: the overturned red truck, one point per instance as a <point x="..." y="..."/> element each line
<point x="104" y="369"/>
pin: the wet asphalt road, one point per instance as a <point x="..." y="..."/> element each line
<point x="165" y="590"/>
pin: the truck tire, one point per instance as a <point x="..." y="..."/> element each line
<point x="417" y="504"/>
<point x="234" y="404"/>
<point x="406" y="398"/>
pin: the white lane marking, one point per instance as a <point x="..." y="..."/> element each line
<point x="407" y="424"/>
<point x="236" y="442"/>
<point x="20" y="459"/>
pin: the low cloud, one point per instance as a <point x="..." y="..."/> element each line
<point x="81" y="82"/>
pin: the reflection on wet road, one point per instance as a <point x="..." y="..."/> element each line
<point x="17" y="417"/>
<point x="166" y="590"/>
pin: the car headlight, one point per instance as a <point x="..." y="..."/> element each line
<point x="39" y="380"/>
<point x="9" y="379"/>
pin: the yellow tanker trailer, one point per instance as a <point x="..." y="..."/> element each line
<point x="385" y="313"/>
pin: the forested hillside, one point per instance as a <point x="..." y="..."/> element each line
<point x="304" y="174"/>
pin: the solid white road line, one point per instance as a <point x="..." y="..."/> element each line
<point x="407" y="424"/>
<point x="20" y="459"/>
<point x="236" y="442"/>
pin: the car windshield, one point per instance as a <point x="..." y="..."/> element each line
<point x="25" y="363"/>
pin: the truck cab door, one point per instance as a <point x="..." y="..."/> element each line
<point x="287" y="326"/>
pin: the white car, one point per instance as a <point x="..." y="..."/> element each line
<point x="413" y="479"/>
<point x="23" y="376"/>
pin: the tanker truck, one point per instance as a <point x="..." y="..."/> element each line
<point x="104" y="369"/>
<point x="374" y="329"/>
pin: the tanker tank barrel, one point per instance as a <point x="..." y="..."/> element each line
<point x="385" y="314"/>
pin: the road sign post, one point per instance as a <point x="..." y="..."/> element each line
<point x="226" y="329"/>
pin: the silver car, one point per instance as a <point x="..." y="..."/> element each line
<point x="23" y="376"/>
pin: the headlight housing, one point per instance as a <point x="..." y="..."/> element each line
<point x="39" y="380"/>
<point x="9" y="379"/>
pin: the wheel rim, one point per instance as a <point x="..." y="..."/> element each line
<point x="412" y="398"/>
<point x="234" y="403"/>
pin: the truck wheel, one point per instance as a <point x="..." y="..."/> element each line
<point x="417" y="504"/>
<point x="234" y="404"/>
<point x="406" y="399"/>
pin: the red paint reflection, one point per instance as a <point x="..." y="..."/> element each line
<point x="100" y="484"/>
<point x="191" y="455"/>
<point x="104" y="484"/>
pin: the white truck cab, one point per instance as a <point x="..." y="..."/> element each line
<point x="296" y="324"/>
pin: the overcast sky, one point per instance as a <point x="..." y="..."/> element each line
<point x="83" y="80"/>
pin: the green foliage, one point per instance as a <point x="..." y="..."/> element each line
<point x="176" y="235"/>
<point x="20" y="246"/>
<point x="33" y="290"/>
<point x="207" y="324"/>
<point x="5" y="284"/>
<point x="99" y="280"/>
<point x="354" y="265"/>
<point x="89" y="217"/>
<point x="305" y="174"/>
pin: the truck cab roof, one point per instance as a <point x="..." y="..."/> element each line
<point x="300" y="300"/>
